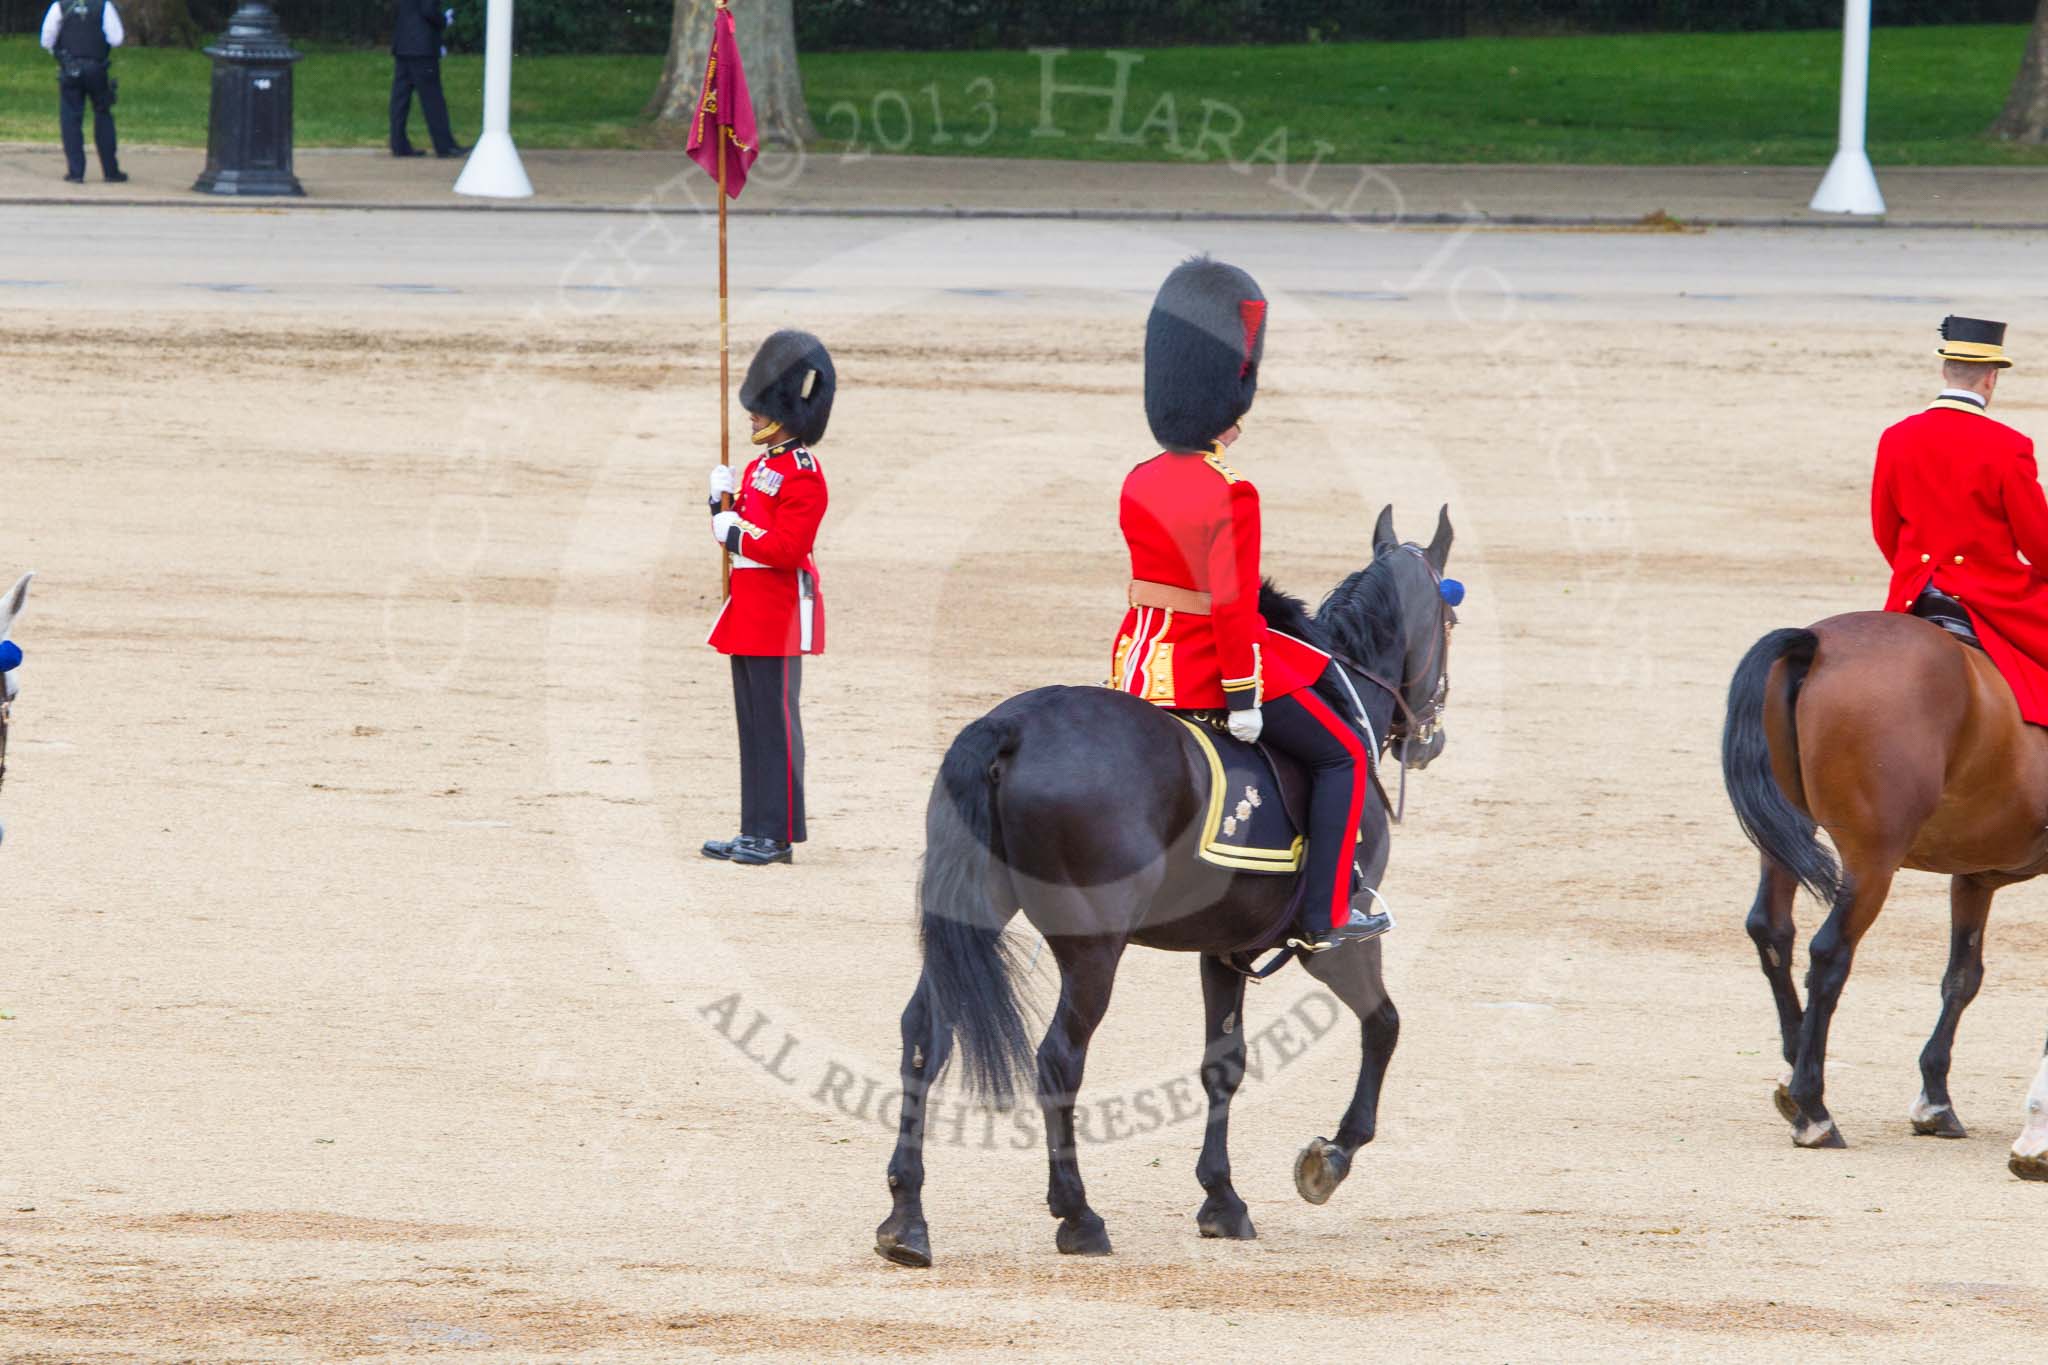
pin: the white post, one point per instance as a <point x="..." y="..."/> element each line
<point x="1850" y="186"/>
<point x="493" y="170"/>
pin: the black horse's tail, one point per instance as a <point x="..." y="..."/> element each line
<point x="964" y="894"/>
<point x="1767" y="816"/>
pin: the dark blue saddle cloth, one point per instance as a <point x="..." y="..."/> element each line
<point x="1254" y="803"/>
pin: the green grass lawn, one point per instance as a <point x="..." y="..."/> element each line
<point x="1761" y="98"/>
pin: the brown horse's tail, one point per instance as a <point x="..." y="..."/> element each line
<point x="1766" y="814"/>
<point x="970" y="965"/>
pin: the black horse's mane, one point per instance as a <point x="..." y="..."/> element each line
<point x="1360" y="617"/>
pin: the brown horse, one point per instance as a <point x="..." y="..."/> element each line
<point x="1906" y="746"/>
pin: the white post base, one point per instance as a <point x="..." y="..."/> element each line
<point x="493" y="170"/>
<point x="1850" y="186"/>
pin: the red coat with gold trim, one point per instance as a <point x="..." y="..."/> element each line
<point x="1956" y="502"/>
<point x="776" y="608"/>
<point x="1192" y="522"/>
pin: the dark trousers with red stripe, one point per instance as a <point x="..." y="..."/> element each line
<point x="1304" y="726"/>
<point x="766" y="693"/>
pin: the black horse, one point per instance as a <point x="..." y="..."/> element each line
<point x="1081" y="806"/>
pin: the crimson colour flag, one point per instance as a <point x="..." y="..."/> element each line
<point x="724" y="110"/>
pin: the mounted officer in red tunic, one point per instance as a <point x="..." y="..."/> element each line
<point x="1194" y="637"/>
<point x="775" y="613"/>
<point x="1957" y="508"/>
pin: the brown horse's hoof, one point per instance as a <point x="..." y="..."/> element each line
<point x="905" y="1241"/>
<point x="1084" y="1236"/>
<point x="1319" y="1170"/>
<point x="2029" y="1167"/>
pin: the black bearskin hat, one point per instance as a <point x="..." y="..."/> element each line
<point x="1202" y="348"/>
<point x="791" y="380"/>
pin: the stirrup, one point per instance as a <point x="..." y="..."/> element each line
<point x="1358" y="928"/>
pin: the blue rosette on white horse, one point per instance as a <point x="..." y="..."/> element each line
<point x="10" y="665"/>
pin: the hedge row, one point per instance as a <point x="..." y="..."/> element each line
<point x="824" y="25"/>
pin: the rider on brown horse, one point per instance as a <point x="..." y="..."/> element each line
<point x="1957" y="509"/>
<point x="1194" y="637"/>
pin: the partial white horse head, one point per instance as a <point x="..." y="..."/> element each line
<point x="10" y="663"/>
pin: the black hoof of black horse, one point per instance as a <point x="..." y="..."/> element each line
<point x="1087" y="1238"/>
<point x="1821" y="1136"/>
<point x="906" y="1244"/>
<point x="1788" y="1108"/>
<point x="1221" y="1220"/>
<point x="1319" y="1170"/>
<point x="1943" y="1124"/>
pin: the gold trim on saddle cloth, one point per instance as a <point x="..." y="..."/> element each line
<point x="1213" y="850"/>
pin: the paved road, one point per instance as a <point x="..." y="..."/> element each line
<point x="828" y="181"/>
<point x="156" y="259"/>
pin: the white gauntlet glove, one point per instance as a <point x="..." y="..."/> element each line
<point x="721" y="481"/>
<point x="1247" y="725"/>
<point x="722" y="524"/>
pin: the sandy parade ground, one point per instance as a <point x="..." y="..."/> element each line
<point x="369" y="999"/>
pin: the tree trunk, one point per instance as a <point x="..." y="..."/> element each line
<point x="767" y="37"/>
<point x="159" y="23"/>
<point x="2026" y="110"/>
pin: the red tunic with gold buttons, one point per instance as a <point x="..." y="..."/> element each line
<point x="776" y="607"/>
<point x="1956" y="502"/>
<point x="1192" y="522"/>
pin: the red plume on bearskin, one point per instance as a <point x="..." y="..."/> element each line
<point x="1203" y="344"/>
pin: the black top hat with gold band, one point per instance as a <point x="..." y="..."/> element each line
<point x="1973" y="340"/>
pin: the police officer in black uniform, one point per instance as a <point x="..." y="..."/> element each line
<point x="416" y="66"/>
<point x="82" y="36"/>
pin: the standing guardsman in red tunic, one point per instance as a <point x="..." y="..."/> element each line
<point x="1957" y="508"/>
<point x="775" y="614"/>
<point x="1194" y="637"/>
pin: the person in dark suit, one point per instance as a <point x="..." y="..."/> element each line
<point x="82" y="36"/>
<point x="416" y="66"/>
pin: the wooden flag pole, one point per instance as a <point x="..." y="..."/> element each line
<point x="724" y="363"/>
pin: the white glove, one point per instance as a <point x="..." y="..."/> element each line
<point x="722" y="524"/>
<point x="1247" y="725"/>
<point x="721" y="481"/>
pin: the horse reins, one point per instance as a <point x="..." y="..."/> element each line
<point x="1413" y="727"/>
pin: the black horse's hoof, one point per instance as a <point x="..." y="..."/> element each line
<point x="1818" y="1135"/>
<point x="906" y="1241"/>
<point x="1083" y="1237"/>
<point x="1225" y="1218"/>
<point x="1940" y="1122"/>
<point x="1788" y="1108"/>
<point x="1319" y="1170"/>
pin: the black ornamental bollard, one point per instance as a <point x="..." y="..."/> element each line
<point x="249" y="133"/>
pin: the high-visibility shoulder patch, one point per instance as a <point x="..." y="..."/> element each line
<point x="1215" y="462"/>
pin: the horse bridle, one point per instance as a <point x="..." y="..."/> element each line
<point x="1413" y="726"/>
